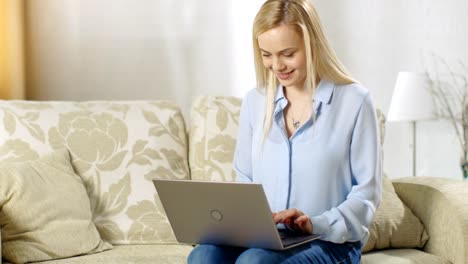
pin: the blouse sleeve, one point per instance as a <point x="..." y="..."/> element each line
<point x="349" y="221"/>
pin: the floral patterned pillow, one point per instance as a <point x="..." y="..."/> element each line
<point x="214" y="121"/>
<point x="116" y="147"/>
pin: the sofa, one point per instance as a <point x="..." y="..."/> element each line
<point x="116" y="148"/>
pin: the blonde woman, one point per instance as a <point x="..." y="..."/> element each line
<point x="309" y="135"/>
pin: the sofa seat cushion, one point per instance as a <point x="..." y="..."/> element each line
<point x="401" y="256"/>
<point x="124" y="254"/>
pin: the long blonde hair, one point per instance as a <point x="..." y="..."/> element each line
<point x="321" y="60"/>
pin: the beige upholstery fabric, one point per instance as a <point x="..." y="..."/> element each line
<point x="0" y="245"/>
<point x="394" y="225"/>
<point x="213" y="131"/>
<point x="381" y="119"/>
<point x="442" y="205"/>
<point x="401" y="256"/>
<point x="45" y="211"/>
<point x="116" y="147"/>
<point x="133" y="254"/>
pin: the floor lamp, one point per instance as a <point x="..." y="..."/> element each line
<point x="412" y="101"/>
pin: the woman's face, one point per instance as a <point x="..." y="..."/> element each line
<point x="283" y="52"/>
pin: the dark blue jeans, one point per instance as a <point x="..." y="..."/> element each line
<point x="317" y="251"/>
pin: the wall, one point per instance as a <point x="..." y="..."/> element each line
<point x="376" y="40"/>
<point x="152" y="49"/>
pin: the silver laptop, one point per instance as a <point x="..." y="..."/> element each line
<point x="223" y="213"/>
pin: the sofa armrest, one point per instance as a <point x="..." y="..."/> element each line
<point x="442" y="206"/>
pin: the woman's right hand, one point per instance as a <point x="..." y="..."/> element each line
<point x="295" y="220"/>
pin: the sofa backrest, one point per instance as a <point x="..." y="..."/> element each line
<point x="213" y="132"/>
<point x="116" y="147"/>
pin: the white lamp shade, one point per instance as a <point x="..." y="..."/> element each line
<point x="412" y="99"/>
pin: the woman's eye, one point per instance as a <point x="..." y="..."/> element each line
<point x="266" y="55"/>
<point x="289" y="55"/>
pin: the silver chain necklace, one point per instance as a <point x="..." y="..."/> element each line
<point x="297" y="122"/>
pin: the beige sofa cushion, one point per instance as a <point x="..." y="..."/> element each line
<point x="442" y="206"/>
<point x="133" y="254"/>
<point x="394" y="225"/>
<point x="212" y="136"/>
<point x="116" y="147"/>
<point x="402" y="256"/>
<point x="45" y="211"/>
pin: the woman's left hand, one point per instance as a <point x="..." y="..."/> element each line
<point x="294" y="219"/>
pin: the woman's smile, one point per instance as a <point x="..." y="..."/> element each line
<point x="284" y="76"/>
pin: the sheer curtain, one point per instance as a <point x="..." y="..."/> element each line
<point x="146" y="49"/>
<point x="11" y="49"/>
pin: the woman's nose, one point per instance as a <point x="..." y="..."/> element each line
<point x="278" y="65"/>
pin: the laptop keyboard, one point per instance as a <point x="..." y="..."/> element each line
<point x="289" y="238"/>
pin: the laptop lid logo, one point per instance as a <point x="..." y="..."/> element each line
<point x="216" y="215"/>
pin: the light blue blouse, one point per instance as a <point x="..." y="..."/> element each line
<point x="330" y="169"/>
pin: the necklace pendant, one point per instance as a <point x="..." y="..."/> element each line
<point x="296" y="123"/>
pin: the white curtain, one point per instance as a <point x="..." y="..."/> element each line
<point x="146" y="49"/>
